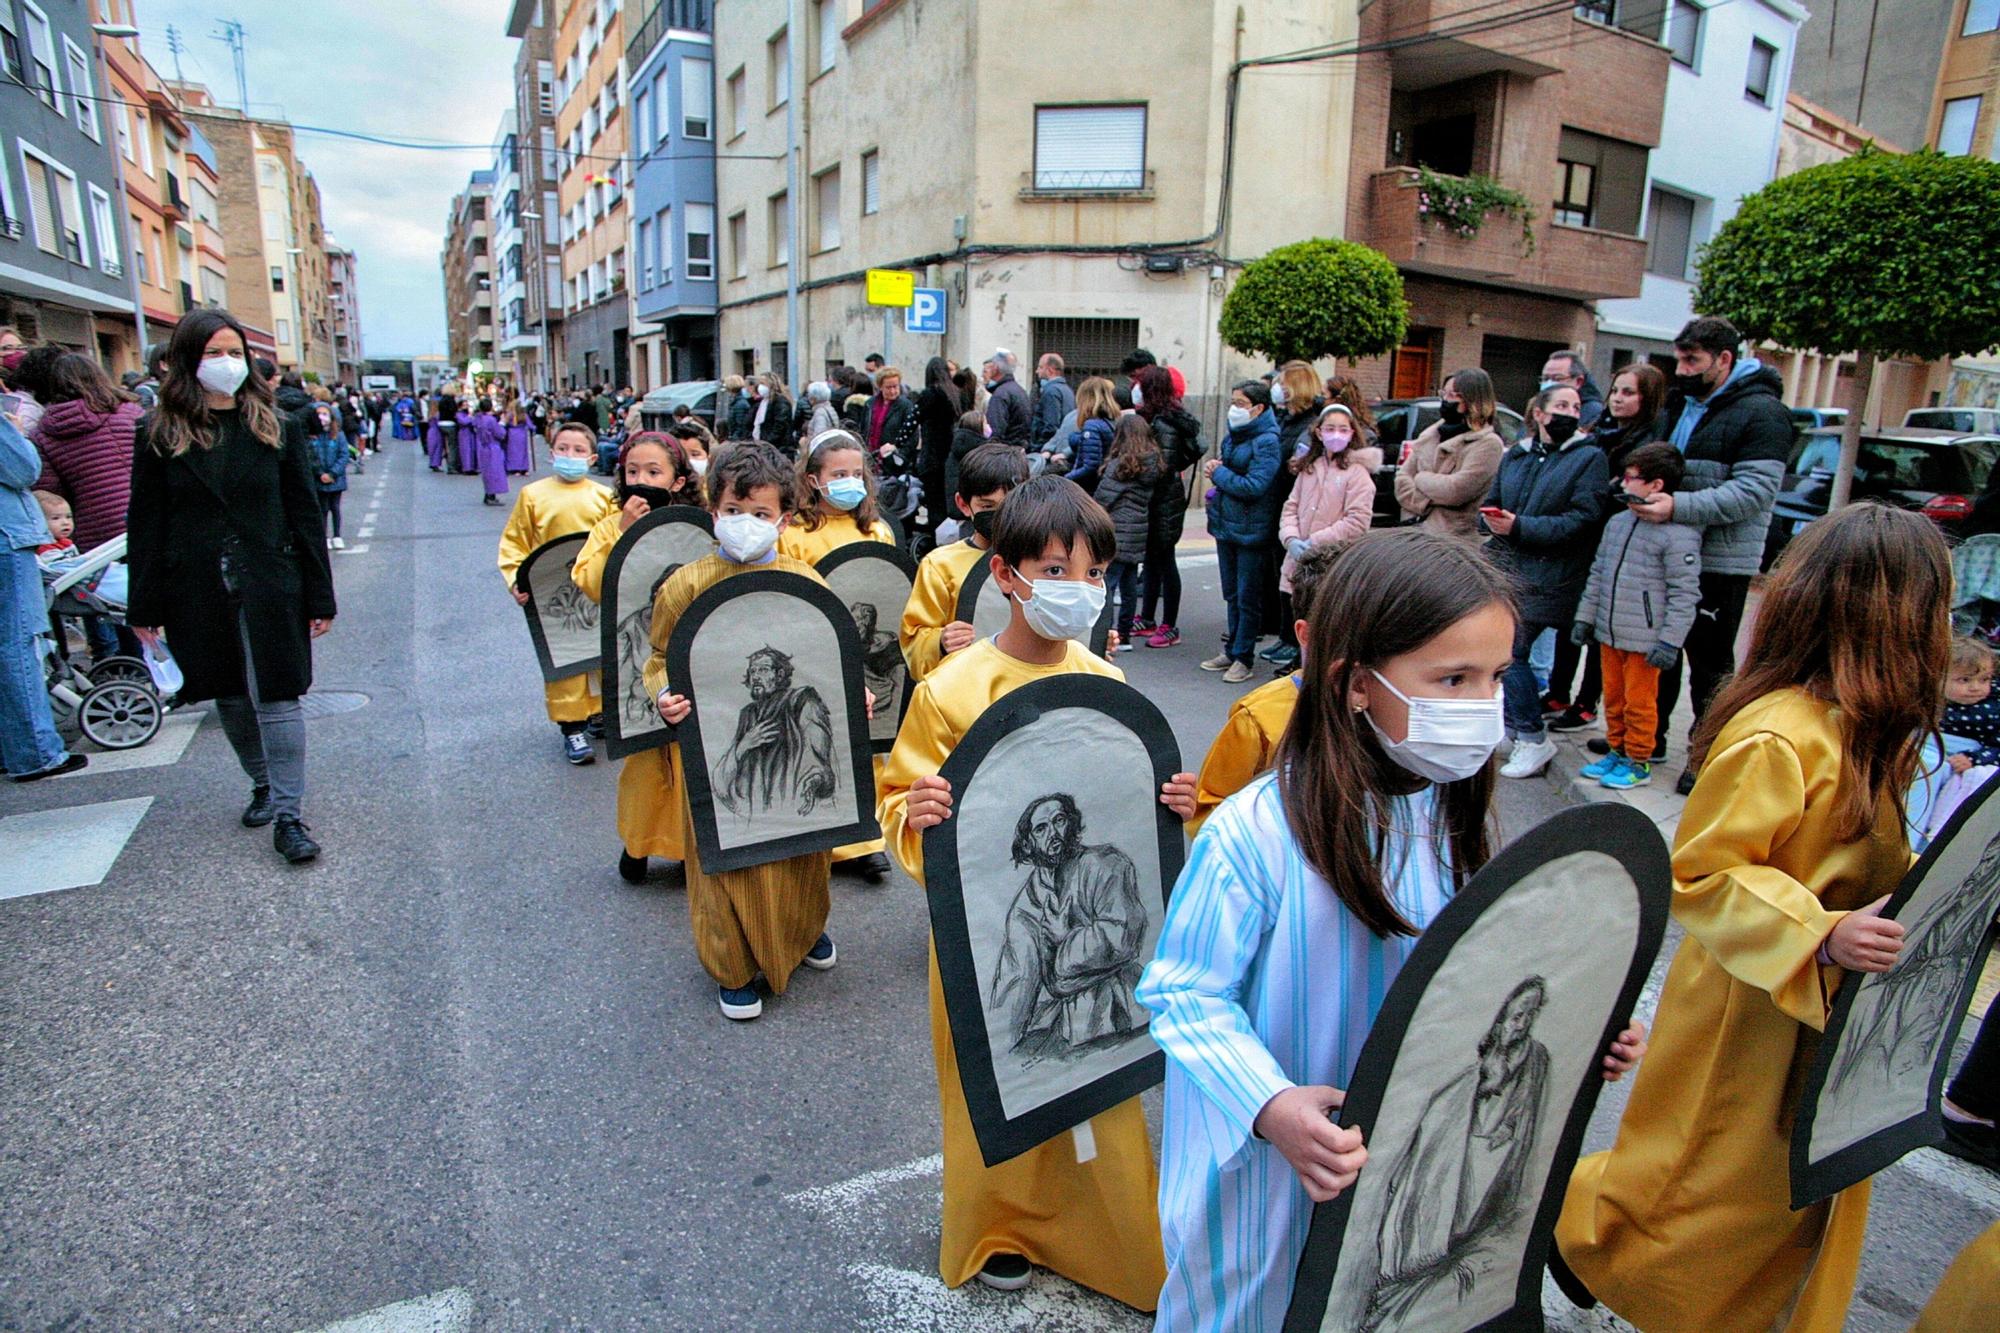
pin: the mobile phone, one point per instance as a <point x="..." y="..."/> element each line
<point x="1490" y="510"/>
<point x="1629" y="498"/>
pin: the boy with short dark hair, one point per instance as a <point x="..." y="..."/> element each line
<point x="931" y="628"/>
<point x="1638" y="606"/>
<point x="1095" y="1221"/>
<point x="764" y="920"/>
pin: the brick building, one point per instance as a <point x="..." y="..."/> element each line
<point x="467" y="263"/>
<point x="343" y="285"/>
<point x="530" y="311"/>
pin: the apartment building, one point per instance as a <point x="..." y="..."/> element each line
<point x="1563" y="107"/>
<point x="63" y="239"/>
<point x="152" y="139"/>
<point x="588" y="51"/>
<point x="467" y="263"/>
<point x="670" y="70"/>
<point x="1063" y="203"/>
<point x="1719" y="139"/>
<point x="532" y="319"/>
<point x="512" y="263"/>
<point x="343" y="282"/>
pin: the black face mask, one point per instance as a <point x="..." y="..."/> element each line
<point x="984" y="522"/>
<point x="1452" y="414"/>
<point x="1694" y="386"/>
<point x="656" y="497"/>
<point x="1559" y="426"/>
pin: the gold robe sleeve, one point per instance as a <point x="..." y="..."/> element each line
<point x="1240" y="752"/>
<point x="933" y="604"/>
<point x="922" y="745"/>
<point x="588" y="571"/>
<point x="520" y="537"/>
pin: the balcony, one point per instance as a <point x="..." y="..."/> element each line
<point x="1471" y="39"/>
<point x="687" y="15"/>
<point x="187" y="297"/>
<point x="110" y="267"/>
<point x="10" y="227"/>
<point x="172" y="203"/>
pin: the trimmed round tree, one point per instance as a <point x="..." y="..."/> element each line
<point x="1316" y="299"/>
<point x="1880" y="254"/>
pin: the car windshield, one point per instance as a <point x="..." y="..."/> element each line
<point x="1959" y="469"/>
<point x="1938" y="418"/>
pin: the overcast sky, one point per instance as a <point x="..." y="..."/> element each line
<point x="436" y="70"/>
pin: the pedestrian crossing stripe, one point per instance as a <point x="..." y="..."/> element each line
<point x="45" y="851"/>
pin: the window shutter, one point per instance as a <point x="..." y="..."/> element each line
<point x="871" y="183"/>
<point x="1090" y="148"/>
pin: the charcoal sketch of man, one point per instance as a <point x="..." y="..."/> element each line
<point x="1457" y="1193"/>
<point x="635" y="645"/>
<point x="783" y="749"/>
<point x="1066" y="975"/>
<point x="882" y="666"/>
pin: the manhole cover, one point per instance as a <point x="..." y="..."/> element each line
<point x="325" y="703"/>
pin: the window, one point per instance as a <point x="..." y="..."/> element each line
<point x="11" y="66"/>
<point x="1980" y="16"/>
<point x="1573" y="191"/>
<point x="285" y="331"/>
<point x="81" y="90"/>
<point x="781" y="360"/>
<point x="1597" y="11"/>
<point x="738" y="117"/>
<point x="1087" y="346"/>
<point x="645" y="237"/>
<point x="642" y="122"/>
<point x="781" y="229"/>
<point x="1601" y="182"/>
<point x="142" y="130"/>
<point x="739" y="245"/>
<point x="1763" y="60"/>
<point x="663" y="242"/>
<point x="826" y="16"/>
<point x="1961" y="115"/>
<point x="700" y="223"/>
<point x="41" y="57"/>
<point x="778" y="56"/>
<point x="1669" y="233"/>
<point x="274" y="226"/>
<point x="139" y="248"/>
<point x="826" y="210"/>
<point x="1684" y="33"/>
<point x="662" y="99"/>
<point x="159" y="262"/>
<point x="1090" y="148"/>
<point x="697" y="97"/>
<point x="277" y="278"/>
<point x="204" y="203"/>
<point x="871" y="182"/>
<point x="105" y="232"/>
<point x="545" y="88"/>
<point x="54" y="206"/>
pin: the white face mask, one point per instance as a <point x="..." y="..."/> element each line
<point x="1239" y="417"/>
<point x="1278" y="392"/>
<point x="1448" y="739"/>
<point x="1138" y="396"/>
<point x="222" y="374"/>
<point x="1059" y="609"/>
<point x="700" y="466"/>
<point x="745" y="538"/>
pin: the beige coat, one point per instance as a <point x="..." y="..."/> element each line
<point x="1443" y="482"/>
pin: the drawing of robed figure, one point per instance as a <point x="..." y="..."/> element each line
<point x="783" y="749"/>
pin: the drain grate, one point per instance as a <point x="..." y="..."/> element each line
<point x="325" y="703"/>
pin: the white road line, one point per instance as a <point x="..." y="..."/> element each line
<point x="1971" y="1183"/>
<point x="362" y="549"/>
<point x="167" y="747"/>
<point x="901" y="1299"/>
<point x="846" y="1197"/>
<point x="367" y="531"/>
<point x="447" y="1311"/>
<point x="71" y="848"/>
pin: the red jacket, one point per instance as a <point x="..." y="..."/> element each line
<point x="87" y="459"/>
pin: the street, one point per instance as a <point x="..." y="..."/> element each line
<point x="458" y="1068"/>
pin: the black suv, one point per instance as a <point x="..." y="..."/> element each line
<point x="1938" y="473"/>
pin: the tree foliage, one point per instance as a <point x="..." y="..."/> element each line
<point x="1316" y="299"/>
<point x="1887" y="255"/>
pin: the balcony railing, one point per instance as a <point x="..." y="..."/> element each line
<point x="10" y="227"/>
<point x="72" y="246"/>
<point x="688" y="15"/>
<point x="174" y="204"/>
<point x="1123" y="183"/>
<point x="110" y="267"/>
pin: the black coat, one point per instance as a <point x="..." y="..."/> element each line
<point x="736" y="423"/>
<point x="937" y="418"/>
<point x="963" y="442"/>
<point x="1130" y="504"/>
<point x="257" y="503"/>
<point x="1558" y="501"/>
<point x="780" y="429"/>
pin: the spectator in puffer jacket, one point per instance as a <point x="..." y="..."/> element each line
<point x="1333" y="501"/>
<point x="1243" y="519"/>
<point x="1727" y="417"/>
<point x="85" y="438"/>
<point x="1132" y="472"/>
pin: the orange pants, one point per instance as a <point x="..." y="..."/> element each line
<point x="1631" y="704"/>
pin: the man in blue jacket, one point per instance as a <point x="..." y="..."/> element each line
<point x="29" y="745"/>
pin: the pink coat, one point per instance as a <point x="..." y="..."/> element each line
<point x="1329" y="504"/>
<point x="87" y="459"/>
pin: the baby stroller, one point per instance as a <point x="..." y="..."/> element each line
<point x="115" y="705"/>
<point x="1975" y="568"/>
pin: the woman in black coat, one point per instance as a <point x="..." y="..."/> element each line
<point x="226" y="556"/>
<point x="938" y="410"/>
<point x="1179" y="437"/>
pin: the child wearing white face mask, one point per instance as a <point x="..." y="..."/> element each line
<point x="1302" y="899"/>
<point x="1094" y="1222"/>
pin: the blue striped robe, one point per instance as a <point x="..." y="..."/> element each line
<point x="1262" y="981"/>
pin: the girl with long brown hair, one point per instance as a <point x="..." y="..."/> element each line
<point x="1791" y="841"/>
<point x="1300" y="902"/>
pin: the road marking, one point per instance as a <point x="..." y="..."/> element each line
<point x="176" y="730"/>
<point x="72" y="848"/>
<point x="1971" y="1183"/>
<point x="367" y="531"/>
<point x="899" y="1298"/>
<point x="362" y="549"/>
<point x="447" y="1311"/>
<point x="845" y="1198"/>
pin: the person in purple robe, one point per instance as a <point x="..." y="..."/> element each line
<point x="468" y="444"/>
<point x="520" y="440"/>
<point x="434" y="446"/>
<point x="490" y="442"/>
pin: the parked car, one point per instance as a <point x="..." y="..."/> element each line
<point x="1938" y="473"/>
<point x="1398" y="422"/>
<point x="1964" y="420"/>
<point x="1818" y="418"/>
<point x="656" y="409"/>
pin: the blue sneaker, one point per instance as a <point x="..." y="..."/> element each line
<point x="1600" y="767"/>
<point x="576" y="748"/>
<point x="741" y="1003"/>
<point x="822" y="956"/>
<point x="1627" y="775"/>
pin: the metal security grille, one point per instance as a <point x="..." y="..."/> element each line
<point x="1087" y="346"/>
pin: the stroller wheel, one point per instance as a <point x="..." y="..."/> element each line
<point x="120" y="715"/>
<point x="120" y="668"/>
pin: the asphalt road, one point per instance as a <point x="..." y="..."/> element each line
<point x="459" y="1069"/>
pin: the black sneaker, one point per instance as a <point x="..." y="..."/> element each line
<point x="873" y="867"/>
<point x="70" y="764"/>
<point x="1685" y="783"/>
<point x="1572" y="719"/>
<point x="292" y="841"/>
<point x="260" y="811"/>
<point x="1660" y="748"/>
<point x="631" y="869"/>
<point x="1006" y="1272"/>
<point x="594" y="728"/>
<point x="1598" y="745"/>
<point x="822" y="956"/>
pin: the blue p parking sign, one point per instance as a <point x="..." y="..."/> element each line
<point x="925" y="314"/>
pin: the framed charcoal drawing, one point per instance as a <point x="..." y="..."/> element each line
<point x="874" y="579"/>
<point x="1477" y="1081"/>
<point x="775" y="752"/>
<point x="561" y="620"/>
<point x="1872" y="1092"/>
<point x="651" y="549"/>
<point x="1047" y="888"/>
<point x="983" y="606"/>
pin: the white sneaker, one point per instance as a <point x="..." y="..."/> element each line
<point x="1529" y="758"/>
<point x="339" y="545"/>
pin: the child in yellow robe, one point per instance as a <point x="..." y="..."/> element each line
<point x="1248" y="741"/>
<point x="1095" y="1222"/>
<point x="653" y="472"/>
<point x="837" y="508"/>
<point x="931" y="627"/>
<point x="763" y="920"/>
<point x="1790" y="843"/>
<point x="547" y="509"/>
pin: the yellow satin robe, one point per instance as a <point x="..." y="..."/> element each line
<point x="649" y="803"/>
<point x="1971" y="1285"/>
<point x="545" y="510"/>
<point x="763" y="918"/>
<point x="1246" y="746"/>
<point x="1097" y="1222"/>
<point x="1686" y="1223"/>
<point x="835" y="531"/>
<point x="934" y="604"/>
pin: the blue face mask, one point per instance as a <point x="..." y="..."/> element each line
<point x="846" y="492"/>
<point x="569" y="469"/>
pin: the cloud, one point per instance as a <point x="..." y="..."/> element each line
<point x="439" y="70"/>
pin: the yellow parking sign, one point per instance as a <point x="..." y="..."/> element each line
<point x="888" y="287"/>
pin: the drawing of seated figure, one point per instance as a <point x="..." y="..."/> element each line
<point x="1456" y="1197"/>
<point x="783" y="750"/>
<point x="881" y="661"/>
<point x="1066" y="975"/>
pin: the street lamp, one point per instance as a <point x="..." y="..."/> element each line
<point x="127" y="32"/>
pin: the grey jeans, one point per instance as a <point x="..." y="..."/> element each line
<point x="269" y="738"/>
